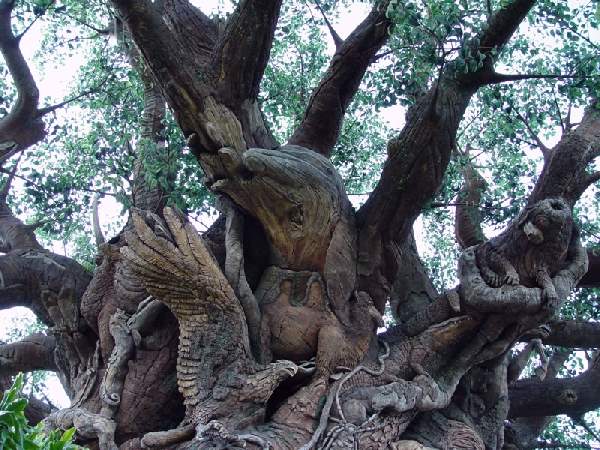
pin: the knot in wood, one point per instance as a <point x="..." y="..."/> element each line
<point x="568" y="397"/>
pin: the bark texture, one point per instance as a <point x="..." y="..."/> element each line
<point x="262" y="333"/>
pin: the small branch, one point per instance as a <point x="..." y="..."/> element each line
<point x="37" y="16"/>
<point x="563" y="126"/>
<point x="378" y="56"/>
<point x="101" y="31"/>
<point x="495" y="77"/>
<point x="48" y="109"/>
<point x="96" y="222"/>
<point x="582" y="423"/>
<point x="556" y="445"/>
<point x="337" y="40"/>
<point x="545" y="150"/>
<point x="567" y="166"/>
<point x="28" y="27"/>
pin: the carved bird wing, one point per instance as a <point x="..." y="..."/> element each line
<point x="175" y="266"/>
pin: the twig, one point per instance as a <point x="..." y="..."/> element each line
<point x="51" y="108"/>
<point x="337" y="40"/>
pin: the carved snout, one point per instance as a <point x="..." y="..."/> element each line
<point x="533" y="233"/>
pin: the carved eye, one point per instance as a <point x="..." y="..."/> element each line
<point x="557" y="205"/>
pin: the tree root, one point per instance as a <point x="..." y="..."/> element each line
<point x="88" y="425"/>
<point x="334" y="395"/>
<point x="215" y="433"/>
<point x="161" y="439"/>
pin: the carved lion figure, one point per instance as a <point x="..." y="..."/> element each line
<point x="532" y="250"/>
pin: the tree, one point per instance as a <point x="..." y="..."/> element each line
<point x="188" y="341"/>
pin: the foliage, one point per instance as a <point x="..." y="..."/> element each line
<point x="298" y="60"/>
<point x="26" y="324"/>
<point x="570" y="433"/>
<point x="17" y="434"/>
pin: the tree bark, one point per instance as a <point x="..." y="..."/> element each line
<point x="262" y="333"/>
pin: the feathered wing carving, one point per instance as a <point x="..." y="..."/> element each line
<point x="175" y="266"/>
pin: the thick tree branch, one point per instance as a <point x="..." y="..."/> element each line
<point x="545" y="150"/>
<point x="467" y="226"/>
<point x="501" y="27"/>
<point x="187" y="22"/>
<point x="572" y="396"/>
<point x="574" y="334"/>
<point x="22" y="127"/>
<point x="321" y="125"/>
<point x="205" y="102"/>
<point x="592" y="277"/>
<point x="38" y="279"/>
<point x="173" y="68"/>
<point x="243" y="51"/>
<point x="419" y="155"/>
<point x="35" y="352"/>
<point x="565" y="171"/>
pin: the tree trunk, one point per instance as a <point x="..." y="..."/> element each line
<point x="263" y="332"/>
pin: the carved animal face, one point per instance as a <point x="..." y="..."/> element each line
<point x="547" y="220"/>
<point x="295" y="193"/>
